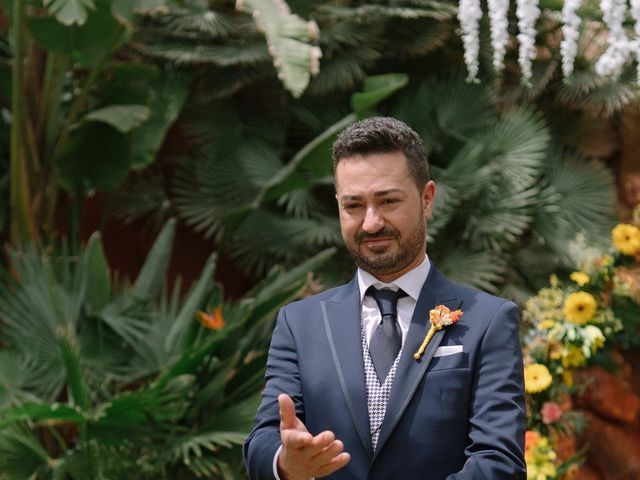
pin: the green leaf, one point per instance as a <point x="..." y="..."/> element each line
<point x="153" y="271"/>
<point x="38" y="412"/>
<point x="168" y="96"/>
<point x="88" y="43"/>
<point x="375" y="90"/>
<point x="96" y="156"/>
<point x="288" y="36"/>
<point x="123" y="118"/>
<point x="194" y="300"/>
<point x="69" y="12"/>
<point x="96" y="274"/>
<point x="315" y="156"/>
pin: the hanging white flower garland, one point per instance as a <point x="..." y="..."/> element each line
<point x="469" y="15"/>
<point x="570" y="35"/>
<point x="527" y="12"/>
<point x="635" y="13"/>
<point x="611" y="63"/>
<point x="499" y="24"/>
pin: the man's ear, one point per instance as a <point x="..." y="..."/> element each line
<point x="428" y="198"/>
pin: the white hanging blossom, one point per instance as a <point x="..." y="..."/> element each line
<point x="469" y="14"/>
<point x="570" y="35"/>
<point x="612" y="61"/>
<point x="527" y="12"/>
<point x="499" y="24"/>
<point x="635" y="13"/>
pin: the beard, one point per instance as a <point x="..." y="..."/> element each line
<point x="388" y="262"/>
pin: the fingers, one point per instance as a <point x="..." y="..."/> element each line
<point x="305" y="455"/>
<point x="287" y="412"/>
<point x="311" y="456"/>
<point x="334" y="464"/>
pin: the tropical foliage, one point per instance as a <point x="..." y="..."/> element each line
<point x="572" y="324"/>
<point x="102" y="379"/>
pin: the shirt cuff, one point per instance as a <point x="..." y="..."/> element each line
<point x="275" y="464"/>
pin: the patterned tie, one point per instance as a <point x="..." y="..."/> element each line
<point x="387" y="337"/>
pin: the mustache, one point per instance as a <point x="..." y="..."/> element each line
<point x="384" y="233"/>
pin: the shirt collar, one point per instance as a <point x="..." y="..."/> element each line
<point x="411" y="282"/>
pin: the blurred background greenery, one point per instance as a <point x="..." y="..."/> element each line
<point x="123" y="121"/>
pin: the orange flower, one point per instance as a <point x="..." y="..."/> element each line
<point x="531" y="440"/>
<point x="213" y="320"/>
<point x="442" y="316"/>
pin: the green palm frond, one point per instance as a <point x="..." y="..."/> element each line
<point x="143" y="197"/>
<point x="448" y="110"/>
<point x="414" y="39"/>
<point x="600" y="96"/>
<point x="300" y="203"/>
<point x="482" y="270"/>
<point x="21" y="455"/>
<point x="190" y="53"/>
<point x="500" y="219"/>
<point x="342" y="71"/>
<point x="266" y="238"/>
<point x="448" y="199"/>
<point x="375" y="13"/>
<point x="577" y="198"/>
<point x="203" y="24"/>
<point x="206" y="192"/>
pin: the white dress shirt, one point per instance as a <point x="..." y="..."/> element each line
<point x="411" y="283"/>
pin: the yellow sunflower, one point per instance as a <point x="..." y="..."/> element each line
<point x="580" y="278"/>
<point x="626" y="238"/>
<point x="536" y="378"/>
<point x="580" y="307"/>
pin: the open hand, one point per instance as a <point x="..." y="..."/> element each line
<point x="303" y="455"/>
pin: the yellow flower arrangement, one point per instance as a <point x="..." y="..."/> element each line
<point x="537" y="378"/>
<point x="540" y="458"/>
<point x="626" y="239"/>
<point x="572" y="356"/>
<point x="580" y="307"/>
<point x="580" y="278"/>
<point x="546" y="324"/>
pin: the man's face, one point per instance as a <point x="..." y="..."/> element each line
<point x="382" y="213"/>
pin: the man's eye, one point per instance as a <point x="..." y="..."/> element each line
<point x="350" y="206"/>
<point x="388" y="201"/>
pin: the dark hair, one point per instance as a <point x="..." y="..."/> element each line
<point x="384" y="135"/>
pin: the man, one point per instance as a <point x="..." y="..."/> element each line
<point x="346" y="396"/>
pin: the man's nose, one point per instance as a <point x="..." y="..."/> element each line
<point x="373" y="221"/>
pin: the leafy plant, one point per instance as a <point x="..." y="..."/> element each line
<point x="101" y="379"/>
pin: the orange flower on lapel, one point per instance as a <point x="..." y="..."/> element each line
<point x="439" y="317"/>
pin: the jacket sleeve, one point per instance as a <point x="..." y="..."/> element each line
<point x="282" y="376"/>
<point x="497" y="419"/>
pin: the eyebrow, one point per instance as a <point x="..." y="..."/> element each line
<point x="381" y="193"/>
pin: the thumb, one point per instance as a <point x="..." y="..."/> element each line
<point x="287" y="412"/>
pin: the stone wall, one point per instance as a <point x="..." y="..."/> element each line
<point x="611" y="405"/>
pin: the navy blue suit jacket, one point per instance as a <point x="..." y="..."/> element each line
<point x="454" y="417"/>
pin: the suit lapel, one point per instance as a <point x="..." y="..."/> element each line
<point x="341" y="316"/>
<point x="436" y="291"/>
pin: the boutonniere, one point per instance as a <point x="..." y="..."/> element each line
<point x="439" y="317"/>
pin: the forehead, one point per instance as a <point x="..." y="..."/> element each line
<point x="377" y="171"/>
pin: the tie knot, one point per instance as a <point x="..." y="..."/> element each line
<point x="386" y="299"/>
